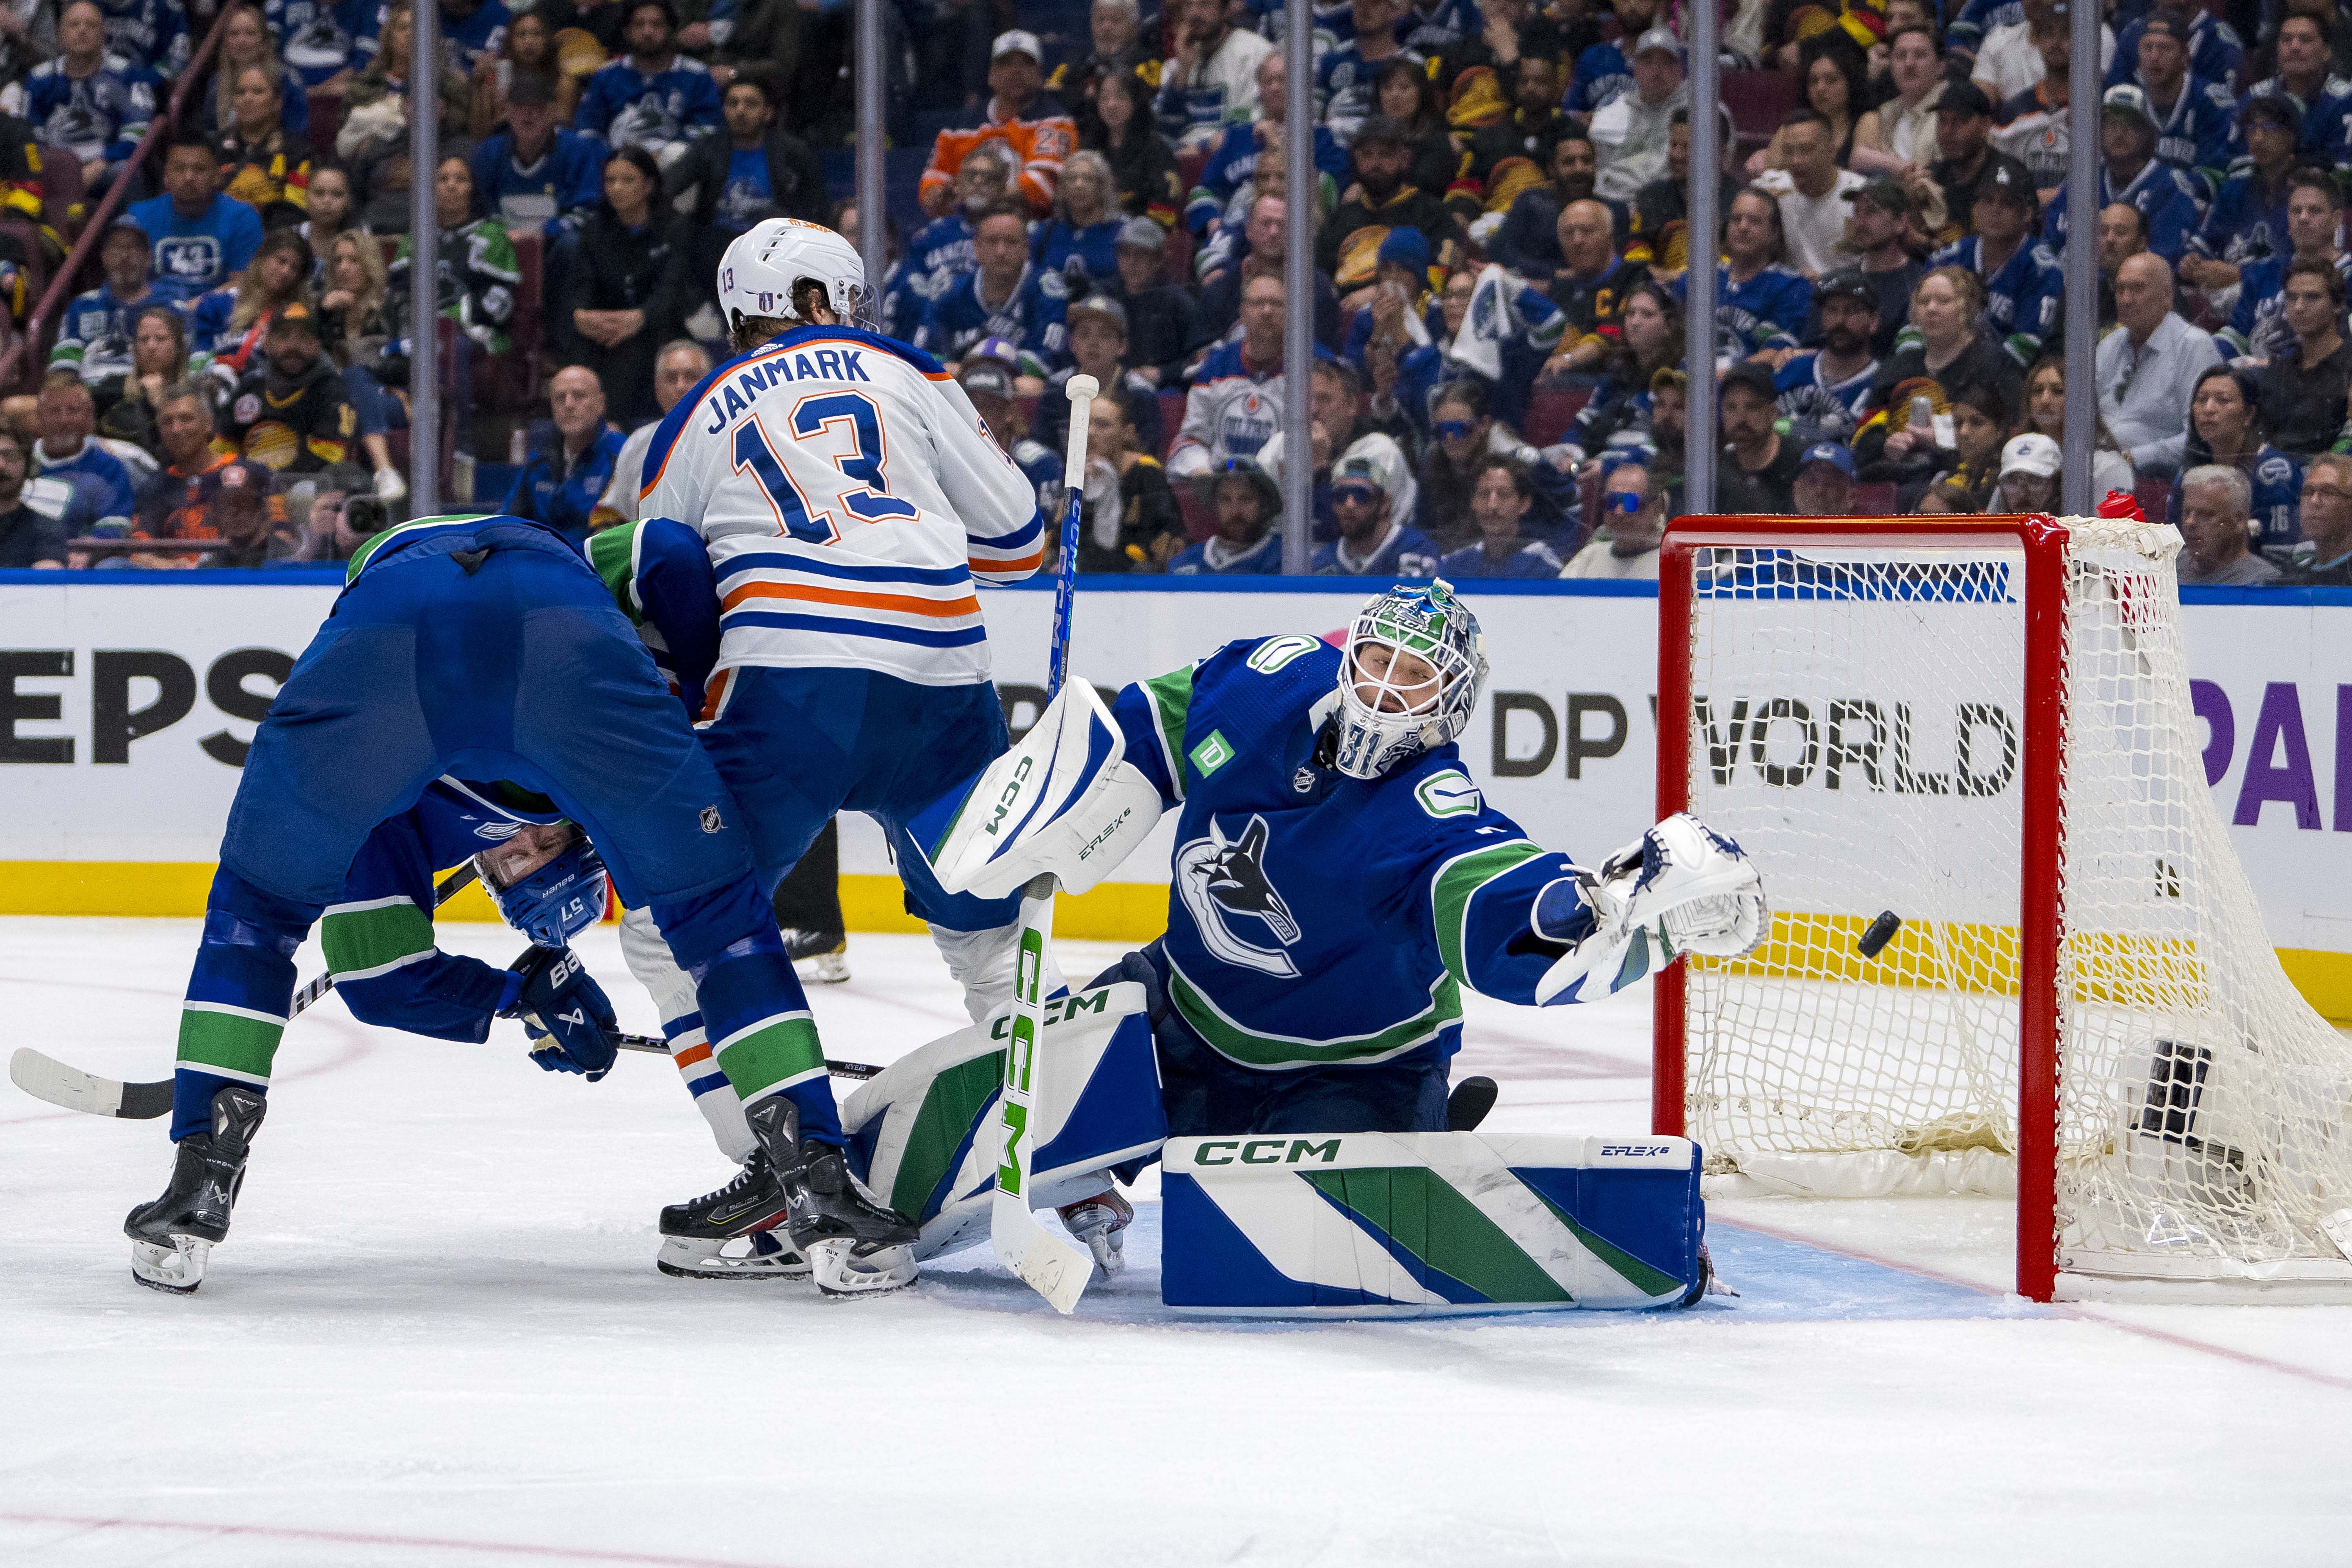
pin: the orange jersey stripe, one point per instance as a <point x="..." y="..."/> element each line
<point x="943" y="609"/>
<point x="1028" y="563"/>
<point x="714" y="696"/>
<point x="693" y="1056"/>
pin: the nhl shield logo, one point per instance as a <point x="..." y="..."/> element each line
<point x="710" y="820"/>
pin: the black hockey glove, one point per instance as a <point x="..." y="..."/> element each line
<point x="561" y="1006"/>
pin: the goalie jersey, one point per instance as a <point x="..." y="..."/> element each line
<point x="1316" y="918"/>
<point x="851" y="496"/>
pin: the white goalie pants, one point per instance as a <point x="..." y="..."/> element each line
<point x="980" y="961"/>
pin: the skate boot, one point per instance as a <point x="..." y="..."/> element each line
<point x="854" y="1247"/>
<point x="819" y="958"/>
<point x="730" y="1233"/>
<point x="170" y="1237"/>
<point x="1101" y="1223"/>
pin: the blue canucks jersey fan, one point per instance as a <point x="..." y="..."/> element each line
<point x="152" y="34"/>
<point x="2315" y="215"/>
<point x="91" y="101"/>
<point x="2305" y="78"/>
<point x="1247" y="503"/>
<point x="1823" y="392"/>
<point x="2023" y="285"/>
<point x="1500" y="498"/>
<point x="566" y="475"/>
<point x="2166" y="194"/>
<point x="202" y="238"/>
<point x="2210" y="46"/>
<point x="1003" y="297"/>
<point x="1375" y="539"/>
<point x="651" y="97"/>
<point x="535" y="172"/>
<point x="318" y="40"/>
<point x="2194" y="114"/>
<point x="2247" y="221"/>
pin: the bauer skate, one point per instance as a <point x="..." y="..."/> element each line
<point x="729" y="1234"/>
<point x="1101" y="1223"/>
<point x="172" y="1237"/>
<point x="854" y="1247"/>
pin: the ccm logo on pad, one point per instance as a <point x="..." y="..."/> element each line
<point x="1266" y="1151"/>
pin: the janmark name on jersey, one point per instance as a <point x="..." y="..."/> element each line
<point x="833" y="364"/>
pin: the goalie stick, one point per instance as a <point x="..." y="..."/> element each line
<point x="45" y="1077"/>
<point x="1054" y="1268"/>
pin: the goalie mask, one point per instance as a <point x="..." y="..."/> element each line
<point x="548" y="882"/>
<point x="769" y="261"/>
<point x="1410" y="680"/>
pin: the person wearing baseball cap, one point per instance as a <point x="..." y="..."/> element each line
<point x="250" y="518"/>
<point x="1964" y="152"/>
<point x="1211" y="78"/>
<point x="2195" y="116"/>
<point x="2210" y="53"/>
<point x="1248" y="500"/>
<point x="2167" y="196"/>
<point x="1824" y="484"/>
<point x="2024" y="289"/>
<point x="1099" y="337"/>
<point x="1633" y="133"/>
<point x="1878" y="236"/>
<point x="2029" y="474"/>
<point x="292" y="415"/>
<point x="1163" y="318"/>
<point x="992" y="387"/>
<point x="1825" y="389"/>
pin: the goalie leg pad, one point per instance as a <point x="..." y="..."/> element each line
<point x="1065" y="800"/>
<point x="921" y="1131"/>
<point x="1428" y="1223"/>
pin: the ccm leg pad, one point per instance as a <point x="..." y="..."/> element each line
<point x="1363" y="1224"/>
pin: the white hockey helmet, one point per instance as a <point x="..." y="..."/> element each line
<point x="1401" y="721"/>
<point x="769" y="260"/>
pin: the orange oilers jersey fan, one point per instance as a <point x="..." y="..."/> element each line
<point x="1039" y="145"/>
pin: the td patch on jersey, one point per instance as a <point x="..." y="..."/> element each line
<point x="1222" y="880"/>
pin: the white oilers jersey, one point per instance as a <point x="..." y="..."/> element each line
<point x="851" y="496"/>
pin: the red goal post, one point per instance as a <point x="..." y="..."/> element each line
<point x="2043" y="544"/>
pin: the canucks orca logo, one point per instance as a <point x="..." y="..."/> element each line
<point x="1219" y="880"/>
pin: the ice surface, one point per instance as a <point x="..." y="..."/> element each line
<point x="436" y="1338"/>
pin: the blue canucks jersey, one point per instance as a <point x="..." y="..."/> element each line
<point x="2021" y="299"/>
<point x="1313" y="919"/>
<point x="94" y="337"/>
<point x="557" y="193"/>
<point x="2167" y="196"/>
<point x="195" y="255"/>
<point x="2245" y="223"/>
<point x="465" y="39"/>
<point x="627" y="108"/>
<point x="1603" y="71"/>
<point x="1405" y="552"/>
<point x="2258" y="325"/>
<point x="1259" y="560"/>
<point x="2215" y="51"/>
<point x="1031" y="318"/>
<point x="1979" y="17"/>
<point x="1768" y="310"/>
<point x="2325" y="136"/>
<point x="100" y="116"/>
<point x="1232" y="163"/>
<point x="939" y="250"/>
<point x="150" y="34"/>
<point x="1532" y="560"/>
<point x="1819" y="409"/>
<point x="2198" y="133"/>
<point x="320" y="37"/>
<point x="2277" y="480"/>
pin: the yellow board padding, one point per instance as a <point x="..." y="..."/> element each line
<point x="1975" y="957"/>
<point x="1115" y="911"/>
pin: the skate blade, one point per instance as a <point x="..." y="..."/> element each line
<point x="1111" y="1253"/>
<point x="684" y="1258"/>
<point x="840" y="1273"/>
<point x="824" y="969"/>
<point x="177" y="1269"/>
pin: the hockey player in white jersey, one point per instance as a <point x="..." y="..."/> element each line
<point x="851" y="498"/>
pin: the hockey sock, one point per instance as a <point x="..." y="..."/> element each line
<point x="239" y="997"/>
<point x="755" y="1016"/>
<point x="672" y="989"/>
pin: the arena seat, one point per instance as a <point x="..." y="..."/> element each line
<point x="2155" y="497"/>
<point x="1550" y="411"/>
<point x="1757" y="100"/>
<point x="1876" y="498"/>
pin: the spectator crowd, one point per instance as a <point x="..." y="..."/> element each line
<point x="1501" y="240"/>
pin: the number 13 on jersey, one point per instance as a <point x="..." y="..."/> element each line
<point x="841" y="429"/>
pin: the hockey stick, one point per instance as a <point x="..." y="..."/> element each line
<point x="45" y="1077"/>
<point x="1054" y="1269"/>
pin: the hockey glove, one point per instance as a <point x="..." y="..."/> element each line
<point x="565" y="1012"/>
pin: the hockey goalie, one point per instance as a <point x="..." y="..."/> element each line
<point x="1339" y="878"/>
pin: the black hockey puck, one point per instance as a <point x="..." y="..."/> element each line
<point x="1468" y="1104"/>
<point x="1882" y="932"/>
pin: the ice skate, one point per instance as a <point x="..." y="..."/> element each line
<point x="172" y="1237"/>
<point x="819" y="958"/>
<point x="854" y="1247"/>
<point x="1101" y="1223"/>
<point x="729" y="1234"/>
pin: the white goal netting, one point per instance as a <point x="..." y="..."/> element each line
<point x="1857" y="722"/>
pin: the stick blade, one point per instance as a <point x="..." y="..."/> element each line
<point x="1056" y="1270"/>
<point x="46" y="1078"/>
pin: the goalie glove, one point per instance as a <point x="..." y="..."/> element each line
<point x="1681" y="888"/>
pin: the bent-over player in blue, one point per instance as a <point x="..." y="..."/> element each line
<point x="476" y="648"/>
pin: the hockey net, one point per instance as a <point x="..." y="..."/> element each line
<point x="1983" y="727"/>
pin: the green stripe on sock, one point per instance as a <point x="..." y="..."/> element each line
<point x="358" y="940"/>
<point x="1456" y="881"/>
<point x="781" y="1051"/>
<point x="209" y="1039"/>
<point x="1422" y="1212"/>
<point x="950" y="1109"/>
